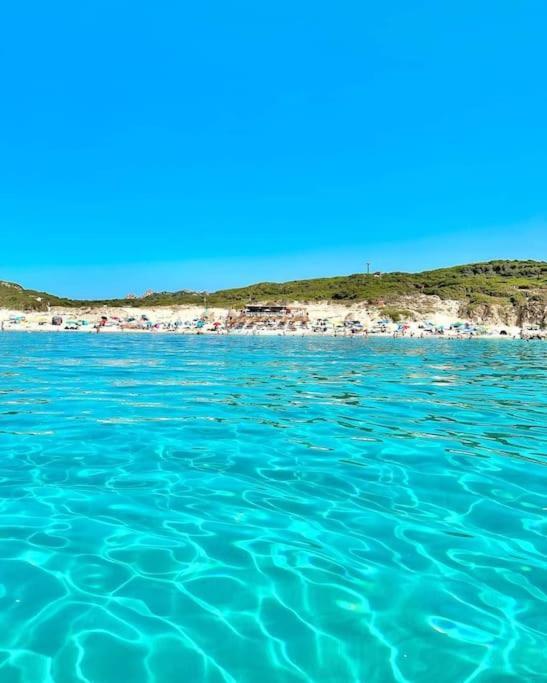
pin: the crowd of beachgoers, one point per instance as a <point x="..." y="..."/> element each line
<point x="193" y="320"/>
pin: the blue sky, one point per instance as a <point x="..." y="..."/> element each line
<point x="201" y="145"/>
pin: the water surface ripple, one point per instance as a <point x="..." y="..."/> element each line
<point x="271" y="509"/>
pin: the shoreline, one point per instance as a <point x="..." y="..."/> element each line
<point x="327" y="319"/>
<point x="264" y="334"/>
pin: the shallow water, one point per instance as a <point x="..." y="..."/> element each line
<point x="271" y="509"/>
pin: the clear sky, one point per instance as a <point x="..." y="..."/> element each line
<point x="200" y="145"/>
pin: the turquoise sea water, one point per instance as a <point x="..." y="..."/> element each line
<point x="185" y="509"/>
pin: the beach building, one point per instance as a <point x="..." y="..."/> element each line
<point x="267" y="310"/>
<point x="267" y="315"/>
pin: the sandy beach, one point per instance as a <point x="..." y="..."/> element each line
<point x="297" y="320"/>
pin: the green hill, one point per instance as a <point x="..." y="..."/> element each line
<point x="14" y="297"/>
<point x="479" y="282"/>
<point x="493" y="282"/>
